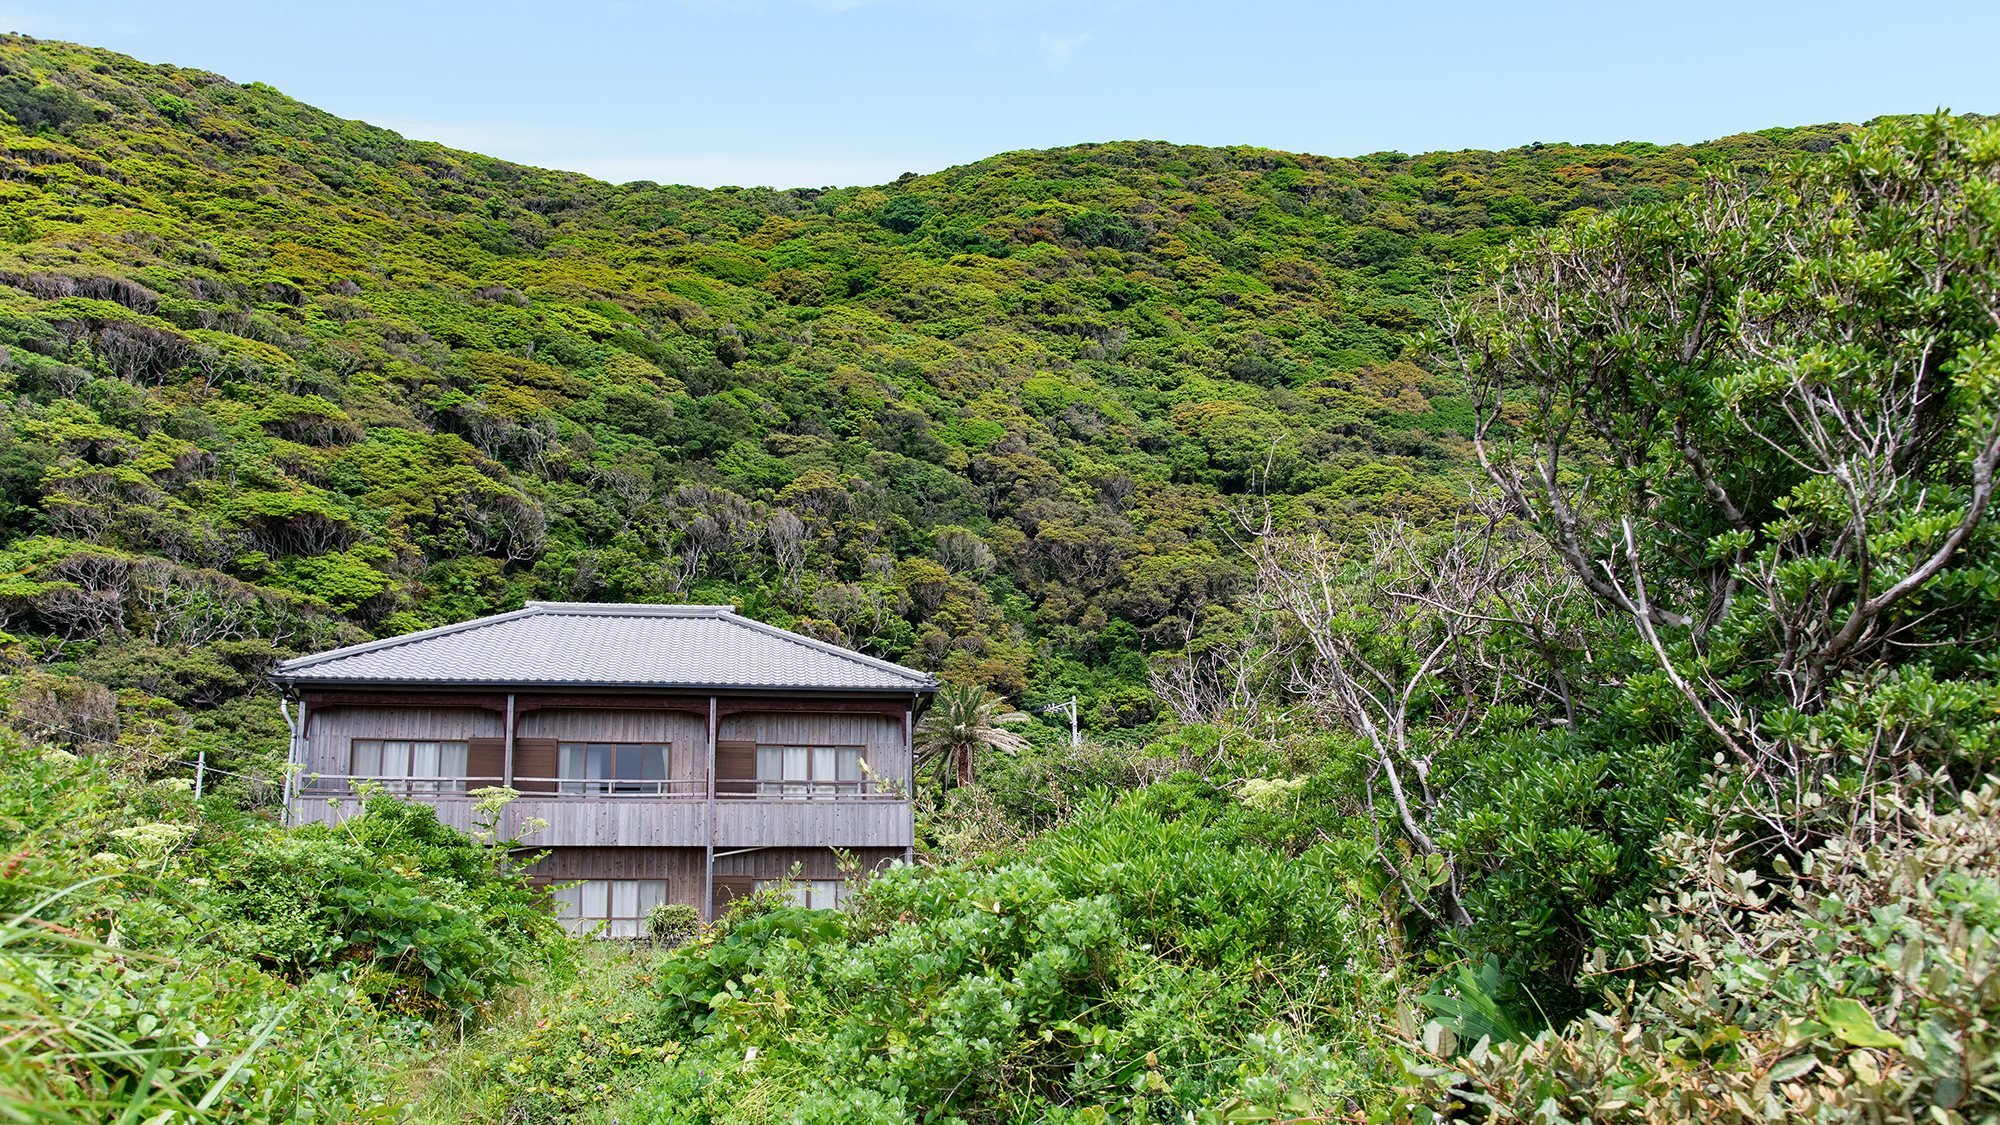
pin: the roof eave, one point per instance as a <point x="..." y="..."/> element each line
<point x="301" y="670"/>
<point x="296" y="681"/>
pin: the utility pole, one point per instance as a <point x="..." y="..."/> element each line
<point x="1075" y="737"/>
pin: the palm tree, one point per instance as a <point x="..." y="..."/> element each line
<point x="962" y="719"/>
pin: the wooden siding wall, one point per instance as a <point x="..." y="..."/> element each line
<point x="809" y="826"/>
<point x="687" y="731"/>
<point x="564" y="864"/>
<point x="814" y="863"/>
<point x="684" y="869"/>
<point x="333" y="728"/>
<point x="881" y="734"/>
<point x="671" y="823"/>
<point x="646" y="822"/>
<point x="737" y="875"/>
<point x="657" y="822"/>
<point x="840" y="824"/>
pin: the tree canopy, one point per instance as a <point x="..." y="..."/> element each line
<point x="981" y="420"/>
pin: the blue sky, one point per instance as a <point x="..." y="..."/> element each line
<point x="821" y="92"/>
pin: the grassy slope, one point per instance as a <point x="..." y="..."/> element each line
<point x="348" y="384"/>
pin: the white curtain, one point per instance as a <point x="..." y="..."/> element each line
<point x="396" y="758"/>
<point x="569" y="907"/>
<point x="652" y="892"/>
<point x="619" y="905"/>
<point x="822" y="771"/>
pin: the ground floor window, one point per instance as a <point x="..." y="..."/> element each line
<point x="399" y="762"/>
<point x="619" y="905"/>
<point x="813" y="894"/>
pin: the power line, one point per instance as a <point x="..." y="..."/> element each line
<point x="1075" y="738"/>
<point x="187" y="739"/>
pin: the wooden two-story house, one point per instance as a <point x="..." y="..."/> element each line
<point x="664" y="753"/>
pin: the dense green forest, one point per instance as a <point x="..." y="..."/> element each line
<point x="986" y="421"/>
<point x="1533" y="614"/>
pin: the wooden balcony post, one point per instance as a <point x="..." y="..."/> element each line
<point x="708" y="879"/>
<point x="910" y="757"/>
<point x="507" y="766"/>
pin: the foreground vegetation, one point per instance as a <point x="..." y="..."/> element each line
<point x="164" y="958"/>
<point x="1565" y="693"/>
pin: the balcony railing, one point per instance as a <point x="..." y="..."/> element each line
<point x="598" y="815"/>
<point x="747" y="789"/>
<point x="608" y="787"/>
<point x="332" y="785"/>
<point x="326" y="785"/>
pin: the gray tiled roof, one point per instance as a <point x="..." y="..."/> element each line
<point x="564" y="644"/>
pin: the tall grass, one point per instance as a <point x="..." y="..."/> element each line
<point x="74" y="1050"/>
<point x="92" y="1033"/>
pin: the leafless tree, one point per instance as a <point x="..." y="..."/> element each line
<point x="787" y="533"/>
<point x="961" y="552"/>
<point x="860" y="611"/>
<point x="185" y="608"/>
<point x="1224" y="674"/>
<point x="630" y="486"/>
<point x="1406" y="640"/>
<point x="739" y="532"/>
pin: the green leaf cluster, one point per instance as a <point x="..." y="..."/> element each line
<point x="164" y="955"/>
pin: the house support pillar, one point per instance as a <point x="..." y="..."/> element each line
<point x="507" y="764"/>
<point x="708" y="876"/>
<point x="910" y="756"/>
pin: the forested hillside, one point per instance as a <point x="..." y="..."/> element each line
<point x="280" y="380"/>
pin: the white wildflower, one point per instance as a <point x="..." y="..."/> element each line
<point x="1269" y="795"/>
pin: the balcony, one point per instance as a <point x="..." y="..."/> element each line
<point x="620" y="813"/>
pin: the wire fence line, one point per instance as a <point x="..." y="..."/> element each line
<point x="168" y="758"/>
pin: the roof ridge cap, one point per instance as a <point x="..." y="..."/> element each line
<point x="631" y="609"/>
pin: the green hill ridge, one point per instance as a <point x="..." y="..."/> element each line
<point x="280" y="380"/>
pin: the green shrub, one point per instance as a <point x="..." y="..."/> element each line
<point x="160" y="954"/>
<point x="592" y="1048"/>
<point x="438" y="920"/>
<point x="1123" y="966"/>
<point x="99" y="1035"/>
<point x="1862" y="987"/>
<point x="672" y="921"/>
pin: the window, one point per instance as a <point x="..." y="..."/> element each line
<point x="613" y="769"/>
<point x="400" y="762"/>
<point x="813" y="894"/>
<point x="619" y="905"/>
<point x="808" y="771"/>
